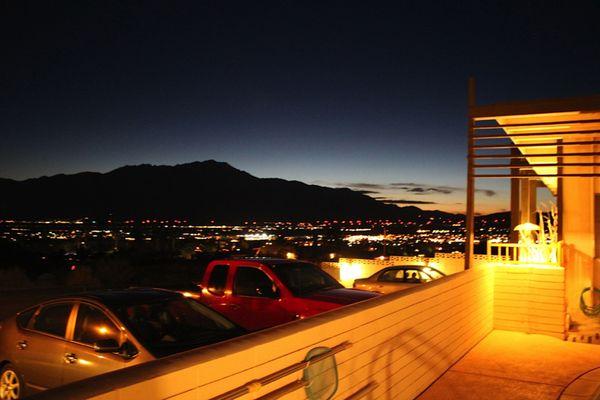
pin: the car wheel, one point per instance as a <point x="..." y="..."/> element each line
<point x="11" y="384"/>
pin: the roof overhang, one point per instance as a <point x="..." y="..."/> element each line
<point x="545" y="123"/>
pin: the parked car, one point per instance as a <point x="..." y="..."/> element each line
<point x="258" y="293"/>
<point x="73" y="338"/>
<point x="396" y="278"/>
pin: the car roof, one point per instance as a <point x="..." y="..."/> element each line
<point x="129" y="296"/>
<point x="117" y="297"/>
<point x="267" y="260"/>
<point x="408" y="266"/>
<point x="417" y="267"/>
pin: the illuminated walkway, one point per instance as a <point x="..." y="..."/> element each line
<point x="511" y="365"/>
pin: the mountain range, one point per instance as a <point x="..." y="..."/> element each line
<point x="198" y="191"/>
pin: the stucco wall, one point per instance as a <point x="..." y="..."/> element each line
<point x="578" y="228"/>
<point x="402" y="341"/>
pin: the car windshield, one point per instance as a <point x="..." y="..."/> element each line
<point x="173" y="325"/>
<point x="304" y="278"/>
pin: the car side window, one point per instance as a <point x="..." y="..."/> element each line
<point x="218" y="280"/>
<point x="94" y="325"/>
<point x="412" y="276"/>
<point x="424" y="277"/>
<point x="392" y="275"/>
<point x="253" y="282"/>
<point x="24" y="317"/>
<point x="53" y="319"/>
<point x="434" y="274"/>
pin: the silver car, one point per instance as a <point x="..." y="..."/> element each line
<point x="73" y="338"/>
<point x="396" y="278"/>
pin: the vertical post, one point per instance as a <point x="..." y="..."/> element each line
<point x="559" y="188"/>
<point x="470" y="217"/>
<point x="515" y="210"/>
<point x="533" y="185"/>
<point x="525" y="203"/>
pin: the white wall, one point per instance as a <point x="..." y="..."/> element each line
<point x="402" y="341"/>
<point x="530" y="299"/>
<point x="577" y="220"/>
<point x="349" y="269"/>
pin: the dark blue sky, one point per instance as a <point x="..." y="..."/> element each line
<point x="336" y="93"/>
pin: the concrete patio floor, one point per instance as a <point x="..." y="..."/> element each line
<point x="513" y="365"/>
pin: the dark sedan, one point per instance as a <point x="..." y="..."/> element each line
<point x="73" y="338"/>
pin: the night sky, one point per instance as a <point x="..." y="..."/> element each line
<point x="368" y="95"/>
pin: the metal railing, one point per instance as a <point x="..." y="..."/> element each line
<point x="255" y="385"/>
<point x="522" y="253"/>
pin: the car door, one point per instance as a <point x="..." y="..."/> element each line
<point x="256" y="300"/>
<point x="391" y="280"/>
<point x="41" y="345"/>
<point x="215" y="293"/>
<point x="81" y="360"/>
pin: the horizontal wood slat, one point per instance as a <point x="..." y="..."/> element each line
<point x="530" y="300"/>
<point x="403" y="341"/>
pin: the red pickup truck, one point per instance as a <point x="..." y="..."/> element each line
<point x="259" y="293"/>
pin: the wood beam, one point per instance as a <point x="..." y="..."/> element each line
<point x="470" y="217"/>
<point x="514" y="197"/>
<point x="541" y="106"/>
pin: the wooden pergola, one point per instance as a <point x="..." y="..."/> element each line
<point x="530" y="143"/>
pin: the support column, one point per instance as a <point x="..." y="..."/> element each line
<point x="533" y="185"/>
<point x="515" y="213"/>
<point x="525" y="201"/>
<point x="559" y="189"/>
<point x="470" y="217"/>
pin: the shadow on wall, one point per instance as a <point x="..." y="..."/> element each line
<point x="388" y="348"/>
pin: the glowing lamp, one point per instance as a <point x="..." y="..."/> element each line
<point x="527" y="227"/>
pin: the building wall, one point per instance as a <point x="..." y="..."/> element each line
<point x="577" y="221"/>
<point x="527" y="298"/>
<point x="402" y="342"/>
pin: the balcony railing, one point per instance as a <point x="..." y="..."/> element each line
<point x="523" y="253"/>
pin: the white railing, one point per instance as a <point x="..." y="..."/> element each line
<point x="521" y="253"/>
<point x="401" y="343"/>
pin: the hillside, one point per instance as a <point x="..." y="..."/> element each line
<point x="198" y="191"/>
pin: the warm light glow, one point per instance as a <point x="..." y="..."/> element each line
<point x="258" y="236"/>
<point x="527" y="227"/>
<point x="102" y="330"/>
<point x="350" y="272"/>
<point x="360" y="238"/>
<point x="190" y="295"/>
<point x="290" y="256"/>
<point x="539" y="128"/>
<point x="527" y="266"/>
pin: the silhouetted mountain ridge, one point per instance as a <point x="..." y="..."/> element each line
<point x="198" y="191"/>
